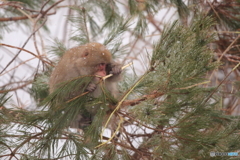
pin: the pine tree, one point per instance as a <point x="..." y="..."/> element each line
<point x="182" y="104"/>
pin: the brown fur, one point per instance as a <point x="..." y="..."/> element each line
<point x="82" y="60"/>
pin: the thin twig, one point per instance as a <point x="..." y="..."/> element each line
<point x="110" y="75"/>
<point x="222" y="82"/>
<point x="229" y="47"/>
<point x="94" y="76"/>
<point x="118" y="127"/>
<point x="43" y="14"/>
<point x="121" y="101"/>
<point x="22" y="49"/>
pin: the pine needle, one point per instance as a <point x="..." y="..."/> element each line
<point x="194" y="85"/>
<point x="119" y="104"/>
